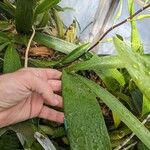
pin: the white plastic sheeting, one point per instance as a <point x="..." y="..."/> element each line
<point x="91" y="15"/>
<point x="98" y="16"/>
<point x="84" y="12"/>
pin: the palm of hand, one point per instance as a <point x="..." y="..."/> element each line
<point x="25" y="93"/>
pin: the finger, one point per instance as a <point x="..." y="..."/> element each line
<point x="42" y="87"/>
<point x="55" y="85"/>
<point x="59" y="99"/>
<point x="51" y="114"/>
<point x="52" y="73"/>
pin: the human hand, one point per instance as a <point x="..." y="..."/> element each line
<point x="25" y="94"/>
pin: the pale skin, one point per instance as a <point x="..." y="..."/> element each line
<point x="28" y="93"/>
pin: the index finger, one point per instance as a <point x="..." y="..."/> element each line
<point x="48" y="73"/>
<point x="53" y="73"/>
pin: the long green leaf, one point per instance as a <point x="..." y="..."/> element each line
<point x="11" y="60"/>
<point x="59" y="23"/>
<point x="108" y="62"/>
<point x="45" y="5"/>
<point x="54" y="43"/>
<point x="24" y="15"/>
<point x="42" y="63"/>
<point x="75" y="53"/>
<point x="113" y="79"/>
<point x="137" y="67"/>
<point x="135" y="37"/>
<point x="115" y="105"/>
<point x="84" y="121"/>
<point x="96" y="62"/>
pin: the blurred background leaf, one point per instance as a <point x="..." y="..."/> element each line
<point x="11" y="60"/>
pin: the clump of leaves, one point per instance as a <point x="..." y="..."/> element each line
<point x="106" y="98"/>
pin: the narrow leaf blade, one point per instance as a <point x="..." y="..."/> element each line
<point x="137" y="67"/>
<point x="76" y="53"/>
<point x="125" y="115"/>
<point x="54" y="43"/>
<point x="84" y="121"/>
<point x="135" y="37"/>
<point x="45" y="5"/>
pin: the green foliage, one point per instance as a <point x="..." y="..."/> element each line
<point x="116" y="119"/>
<point x="146" y="105"/>
<point x="4" y="25"/>
<point x="84" y="121"/>
<point x="42" y="63"/>
<point x="125" y="115"/>
<point x="119" y="133"/>
<point x="45" y="5"/>
<point x="3" y="46"/>
<point x="112" y="78"/>
<point x="136" y="96"/>
<point x="54" y="43"/>
<point x="11" y="60"/>
<point x="22" y="128"/>
<point x="96" y="62"/>
<point x="3" y="131"/>
<point x="75" y="54"/>
<point x="24" y="15"/>
<point x="123" y="81"/>
<point x="53" y="132"/>
<point x="136" y="43"/>
<point x="141" y="146"/>
<point x="136" y="66"/>
<point x="9" y="141"/>
<point x="7" y="9"/>
<point x="59" y="23"/>
<point x="4" y="37"/>
<point x="44" y="18"/>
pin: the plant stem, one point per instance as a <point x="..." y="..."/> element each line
<point x="119" y="24"/>
<point x="130" y="146"/>
<point x="28" y="48"/>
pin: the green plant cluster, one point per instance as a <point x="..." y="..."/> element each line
<point x="106" y="98"/>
